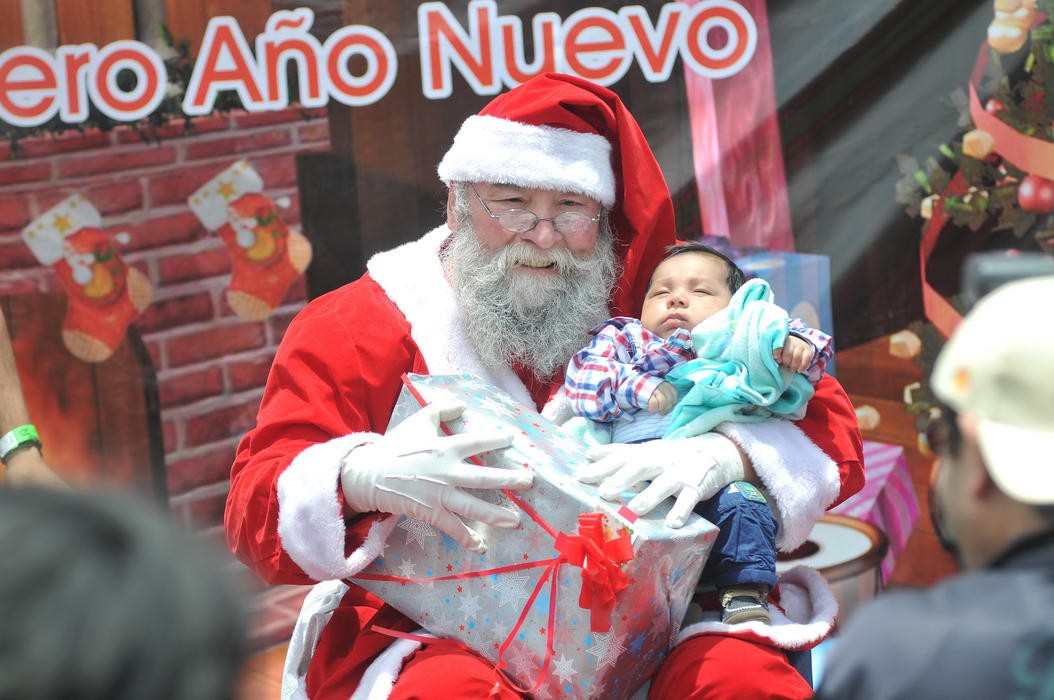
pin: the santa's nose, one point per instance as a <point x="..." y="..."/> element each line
<point x="544" y="234"/>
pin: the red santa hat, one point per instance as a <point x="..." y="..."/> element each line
<point x="561" y="132"/>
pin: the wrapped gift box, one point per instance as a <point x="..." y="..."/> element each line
<point x="521" y="603"/>
<point x="801" y="284"/>
<point x="887" y="499"/>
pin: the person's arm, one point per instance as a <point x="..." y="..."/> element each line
<point x="26" y="465"/>
<point x="821" y="344"/>
<point x="318" y="484"/>
<point x="610" y="376"/>
<point x="806" y="467"/>
<point x="335" y="377"/>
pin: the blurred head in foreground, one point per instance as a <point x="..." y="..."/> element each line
<point x="103" y="596"/>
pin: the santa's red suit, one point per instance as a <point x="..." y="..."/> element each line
<point x="338" y="373"/>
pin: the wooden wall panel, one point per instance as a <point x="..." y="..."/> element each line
<point x="187" y="18"/>
<point x="11" y="26"/>
<point x="98" y="22"/>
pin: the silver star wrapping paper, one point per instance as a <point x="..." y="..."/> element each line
<point x="519" y="600"/>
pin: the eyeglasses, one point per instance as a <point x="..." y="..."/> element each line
<point x="936" y="430"/>
<point x="520" y="221"/>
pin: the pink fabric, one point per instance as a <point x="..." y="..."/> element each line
<point x="887" y="500"/>
<point x="737" y="151"/>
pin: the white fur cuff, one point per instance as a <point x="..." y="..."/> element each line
<point x="310" y="521"/>
<point x="808" y="613"/>
<point x="799" y="476"/>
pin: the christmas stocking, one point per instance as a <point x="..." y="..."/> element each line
<point x="266" y="255"/>
<point x="104" y="294"/>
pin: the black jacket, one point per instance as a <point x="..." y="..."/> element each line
<point x="987" y="634"/>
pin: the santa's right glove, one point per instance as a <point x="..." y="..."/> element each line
<point x="414" y="471"/>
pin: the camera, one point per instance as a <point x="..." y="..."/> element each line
<point x="983" y="272"/>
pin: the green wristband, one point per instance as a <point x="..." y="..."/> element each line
<point x="22" y="436"/>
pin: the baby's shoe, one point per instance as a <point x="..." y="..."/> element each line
<point x="745" y="603"/>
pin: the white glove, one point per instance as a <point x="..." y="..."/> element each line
<point x="693" y="469"/>
<point x="414" y="471"/>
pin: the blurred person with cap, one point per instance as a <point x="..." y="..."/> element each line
<point x="989" y="631"/>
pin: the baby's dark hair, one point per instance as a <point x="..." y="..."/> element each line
<point x="736" y="277"/>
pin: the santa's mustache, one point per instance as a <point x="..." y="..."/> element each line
<point x="521" y="253"/>
<point x="538" y="320"/>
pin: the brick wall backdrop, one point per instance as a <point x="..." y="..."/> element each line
<point x="211" y="365"/>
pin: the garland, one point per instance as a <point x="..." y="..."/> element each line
<point x="996" y="173"/>
<point x="1014" y="83"/>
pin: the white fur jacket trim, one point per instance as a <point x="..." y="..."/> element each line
<point x="804" y="617"/>
<point x="413" y="278"/>
<point x="310" y="521"/>
<point x="799" y="476"/>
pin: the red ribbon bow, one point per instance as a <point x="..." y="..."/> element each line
<point x="600" y="561"/>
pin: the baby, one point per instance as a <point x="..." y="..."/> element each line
<point x="709" y="347"/>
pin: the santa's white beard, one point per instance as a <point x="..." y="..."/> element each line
<point x="537" y="320"/>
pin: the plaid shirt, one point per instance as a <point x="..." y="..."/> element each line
<point x="625" y="363"/>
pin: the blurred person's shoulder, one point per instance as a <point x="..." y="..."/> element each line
<point x="969" y="637"/>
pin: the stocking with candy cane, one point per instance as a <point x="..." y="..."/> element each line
<point x="104" y="294"/>
<point x="266" y="255"/>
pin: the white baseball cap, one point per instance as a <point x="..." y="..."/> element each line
<point x="998" y="366"/>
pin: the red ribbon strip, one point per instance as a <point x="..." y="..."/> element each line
<point x="941" y="314"/>
<point x="600" y="560"/>
<point x="472" y="574"/>
<point x="1028" y="153"/>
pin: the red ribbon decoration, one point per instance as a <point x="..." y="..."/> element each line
<point x="940" y="313"/>
<point x="600" y="561"/>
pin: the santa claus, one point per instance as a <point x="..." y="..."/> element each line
<point x="557" y="212"/>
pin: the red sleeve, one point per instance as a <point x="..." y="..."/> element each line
<point x="337" y="371"/>
<point x="830" y="422"/>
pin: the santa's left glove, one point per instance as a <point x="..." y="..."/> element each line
<point x="414" y="471"/>
<point x="691" y="469"/>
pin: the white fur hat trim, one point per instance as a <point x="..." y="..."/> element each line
<point x="491" y="149"/>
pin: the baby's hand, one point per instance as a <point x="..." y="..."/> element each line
<point x="663" y="399"/>
<point x="796" y="354"/>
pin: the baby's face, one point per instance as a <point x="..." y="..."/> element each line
<point x="685" y="290"/>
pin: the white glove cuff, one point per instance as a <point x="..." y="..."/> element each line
<point x="351" y="478"/>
